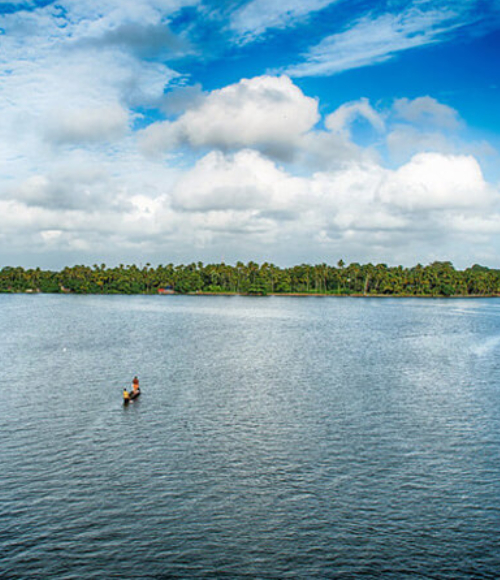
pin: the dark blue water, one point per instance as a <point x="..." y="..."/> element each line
<point x="274" y="438"/>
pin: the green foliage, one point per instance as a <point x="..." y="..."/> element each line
<point x="258" y="288"/>
<point x="436" y="279"/>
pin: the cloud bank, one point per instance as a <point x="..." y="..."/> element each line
<point x="108" y="152"/>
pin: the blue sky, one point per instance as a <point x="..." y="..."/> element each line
<point x="186" y="130"/>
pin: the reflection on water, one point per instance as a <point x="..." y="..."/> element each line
<point x="274" y="437"/>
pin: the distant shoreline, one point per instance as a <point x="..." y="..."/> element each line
<point x="245" y="294"/>
<point x="439" y="279"/>
<point x="306" y="295"/>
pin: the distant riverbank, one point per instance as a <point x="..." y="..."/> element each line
<point x="439" y="279"/>
<point x="323" y="295"/>
<point x="263" y="295"/>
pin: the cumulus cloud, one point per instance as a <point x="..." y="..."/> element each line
<point x="424" y="125"/>
<point x="404" y="141"/>
<point x="358" y="198"/>
<point x="88" y="125"/>
<point x="179" y="99"/>
<point x="43" y="191"/>
<point x="245" y="180"/>
<point x="340" y="119"/>
<point x="426" y="111"/>
<point x="326" y="150"/>
<point x="436" y="181"/>
<point x="267" y="113"/>
<point x="244" y="200"/>
<point x="263" y="112"/>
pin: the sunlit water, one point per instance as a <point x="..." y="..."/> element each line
<point x="274" y="438"/>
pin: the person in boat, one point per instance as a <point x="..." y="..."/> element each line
<point x="126" y="395"/>
<point x="135" y="386"/>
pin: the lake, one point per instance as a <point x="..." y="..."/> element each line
<point x="275" y="437"/>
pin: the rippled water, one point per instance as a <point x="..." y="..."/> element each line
<point x="274" y="438"/>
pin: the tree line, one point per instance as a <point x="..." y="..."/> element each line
<point x="436" y="279"/>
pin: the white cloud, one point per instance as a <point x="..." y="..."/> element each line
<point x="424" y="125"/>
<point x="264" y="112"/>
<point x="476" y="224"/>
<point x="404" y="141"/>
<point x="412" y="201"/>
<point x="246" y="180"/>
<point x="374" y="40"/>
<point x="55" y="96"/>
<point x="244" y="202"/>
<point x="253" y="19"/>
<point x="348" y="200"/>
<point x="41" y="67"/>
<point x="324" y="150"/>
<point x="88" y="125"/>
<point x="74" y="183"/>
<point x="267" y="113"/>
<point x="65" y="135"/>
<point x="437" y="181"/>
<point x="340" y="119"/>
<point x="99" y="16"/>
<point x="68" y="186"/>
<point x="53" y="80"/>
<point x="426" y="111"/>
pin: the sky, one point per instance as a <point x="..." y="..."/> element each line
<point x="159" y="131"/>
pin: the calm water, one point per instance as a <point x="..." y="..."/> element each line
<point x="274" y="438"/>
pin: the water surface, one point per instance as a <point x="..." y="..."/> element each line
<point x="274" y="438"/>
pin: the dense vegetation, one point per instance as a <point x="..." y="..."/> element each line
<point x="436" y="279"/>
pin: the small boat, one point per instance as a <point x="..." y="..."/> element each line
<point x="131" y="396"/>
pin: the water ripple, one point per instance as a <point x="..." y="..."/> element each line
<point x="275" y="438"/>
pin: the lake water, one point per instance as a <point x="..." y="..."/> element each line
<point x="274" y="438"/>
